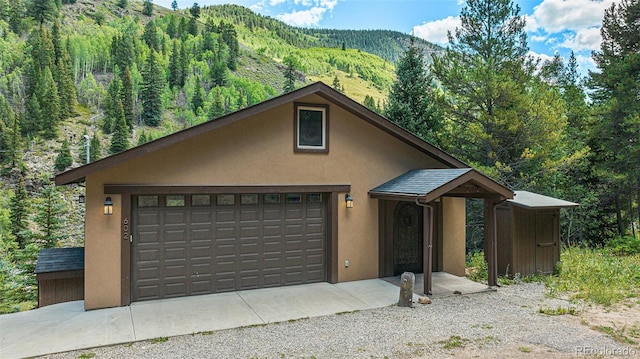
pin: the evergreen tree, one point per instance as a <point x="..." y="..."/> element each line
<point x="175" y="68"/>
<point x="195" y="10"/>
<point x="197" y="102"/>
<point x="172" y="28"/>
<point x="84" y="146"/>
<point x="336" y="85"/>
<point x="184" y="63"/>
<point x="142" y="139"/>
<point x="150" y="36"/>
<point x="122" y="50"/>
<point x="230" y="38"/>
<point x="42" y="56"/>
<point x="123" y="4"/>
<point x="19" y="210"/>
<point x="114" y="96"/>
<point x="95" y="148"/>
<point x="10" y="136"/>
<point x="56" y="40"/>
<point x="493" y="97"/>
<point x="174" y="5"/>
<point x="615" y="135"/>
<point x="292" y="64"/>
<point x="120" y="139"/>
<point x="147" y="7"/>
<point x="151" y="91"/>
<point x="127" y="98"/>
<point x="43" y="10"/>
<point x="370" y="103"/>
<point x="31" y="123"/>
<point x="192" y="27"/>
<point x="217" y="108"/>
<point x="64" y="158"/>
<point x="49" y="216"/>
<point x="412" y="99"/>
<point x="47" y="94"/>
<point x="66" y="83"/>
<point x="218" y="73"/>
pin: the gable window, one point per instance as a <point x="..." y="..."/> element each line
<point x="311" y="128"/>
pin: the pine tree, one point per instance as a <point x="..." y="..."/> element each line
<point x="122" y="50"/>
<point x="150" y="36"/>
<point x="614" y="136"/>
<point x="195" y="10"/>
<point x="172" y="29"/>
<point x="43" y="10"/>
<point x="123" y="4"/>
<point x="336" y="85"/>
<point x="217" y="108"/>
<point x="175" y="70"/>
<point x="142" y="139"/>
<point x="49" y="216"/>
<point x="412" y="99"/>
<point x="151" y="91"/>
<point x="370" y="103"/>
<point x="147" y="7"/>
<point x="66" y="83"/>
<point x="95" y="148"/>
<point x="292" y="64"/>
<point x="197" y="102"/>
<point x="218" y="73"/>
<point x="174" y="5"/>
<point x="42" y="56"/>
<point x="114" y="96"/>
<point x="127" y="98"/>
<point x="192" y="27"/>
<point x="18" y="206"/>
<point x="64" y="158"/>
<point x="47" y="94"/>
<point x="120" y="139"/>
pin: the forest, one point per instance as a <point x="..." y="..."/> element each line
<point x="100" y="77"/>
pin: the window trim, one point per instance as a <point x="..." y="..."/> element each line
<point x="325" y="128"/>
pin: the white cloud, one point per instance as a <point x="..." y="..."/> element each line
<point x="436" y="31"/>
<point x="558" y="15"/>
<point x="584" y="39"/>
<point x="276" y="2"/>
<point x="311" y="17"/>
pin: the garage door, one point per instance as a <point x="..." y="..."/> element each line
<point x="199" y="244"/>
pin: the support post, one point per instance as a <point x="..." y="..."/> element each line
<point x="427" y="247"/>
<point x="490" y="240"/>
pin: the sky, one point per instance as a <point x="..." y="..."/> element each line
<point x="553" y="26"/>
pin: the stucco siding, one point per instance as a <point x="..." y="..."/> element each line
<point x="258" y="151"/>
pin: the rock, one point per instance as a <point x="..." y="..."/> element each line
<point x="424" y="300"/>
<point x="457" y="292"/>
<point x="407" y="282"/>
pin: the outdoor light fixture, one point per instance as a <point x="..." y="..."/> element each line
<point x="349" y="200"/>
<point x="82" y="199"/>
<point x="108" y="206"/>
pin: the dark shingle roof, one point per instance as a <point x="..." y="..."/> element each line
<point x="420" y="182"/>
<point x="60" y="259"/>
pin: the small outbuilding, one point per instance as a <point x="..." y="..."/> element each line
<point x="60" y="275"/>
<point x="528" y="231"/>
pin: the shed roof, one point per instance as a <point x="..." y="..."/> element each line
<point x="60" y="259"/>
<point x="528" y="199"/>
<point x="78" y="174"/>
<point x="429" y="184"/>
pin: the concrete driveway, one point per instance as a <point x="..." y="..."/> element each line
<point x="67" y="326"/>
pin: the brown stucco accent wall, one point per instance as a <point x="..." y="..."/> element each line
<point x="257" y="151"/>
<point x="453" y="235"/>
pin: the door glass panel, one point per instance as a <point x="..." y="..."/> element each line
<point x="226" y="200"/>
<point x="293" y="198"/>
<point x="147" y="201"/>
<point x="249" y="199"/>
<point x="200" y="200"/>
<point x="174" y="201"/>
<point x="272" y="198"/>
<point x="314" y="198"/>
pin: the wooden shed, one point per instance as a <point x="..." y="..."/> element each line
<point x="60" y="275"/>
<point x="528" y="231"/>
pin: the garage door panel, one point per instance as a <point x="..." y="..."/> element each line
<point x="180" y="251"/>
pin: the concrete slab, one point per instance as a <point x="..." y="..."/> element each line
<point x="62" y="327"/>
<point x="444" y="284"/>
<point x="374" y="292"/>
<point x="300" y="301"/>
<point x="179" y="316"/>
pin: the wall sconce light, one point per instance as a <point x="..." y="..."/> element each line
<point x="82" y="199"/>
<point x="349" y="200"/>
<point x="108" y="206"/>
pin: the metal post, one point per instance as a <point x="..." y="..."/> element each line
<point x="88" y="147"/>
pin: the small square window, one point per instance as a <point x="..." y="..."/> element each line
<point x="249" y="199"/>
<point x="226" y="200"/>
<point x="147" y="201"/>
<point x="311" y="128"/>
<point x="201" y="200"/>
<point x="293" y="198"/>
<point x="314" y="198"/>
<point x="174" y="201"/>
<point x="272" y="198"/>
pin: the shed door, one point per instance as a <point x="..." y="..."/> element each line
<point x="199" y="244"/>
<point x="547" y="246"/>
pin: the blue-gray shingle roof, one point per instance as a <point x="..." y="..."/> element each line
<point x="420" y="182"/>
<point x="60" y="259"/>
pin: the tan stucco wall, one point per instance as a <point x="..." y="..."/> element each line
<point x="258" y="151"/>
<point x="453" y="235"/>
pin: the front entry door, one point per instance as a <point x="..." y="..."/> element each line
<point x="407" y="238"/>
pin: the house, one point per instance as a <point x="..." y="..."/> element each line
<point x="306" y="187"/>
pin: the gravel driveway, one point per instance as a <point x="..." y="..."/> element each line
<point x="504" y="324"/>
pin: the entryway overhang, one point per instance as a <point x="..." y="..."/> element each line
<point x="425" y="186"/>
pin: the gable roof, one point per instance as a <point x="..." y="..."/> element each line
<point x="428" y="184"/>
<point x="78" y="174"/>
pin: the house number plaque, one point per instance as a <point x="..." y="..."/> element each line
<point x="125" y="229"/>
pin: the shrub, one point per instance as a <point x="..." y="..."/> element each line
<point x="626" y="245"/>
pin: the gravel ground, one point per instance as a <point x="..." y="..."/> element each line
<point x="504" y="324"/>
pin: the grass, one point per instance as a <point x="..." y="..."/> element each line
<point x="86" y="355"/>
<point x="158" y="340"/>
<point x="525" y="349"/>
<point x="623" y="335"/>
<point x="596" y="275"/>
<point x="454" y="341"/>
<point x="558" y="311"/>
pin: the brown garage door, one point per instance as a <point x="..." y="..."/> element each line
<point x="199" y="244"/>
